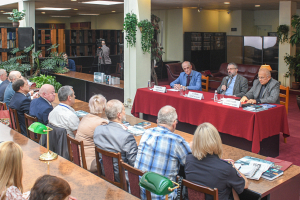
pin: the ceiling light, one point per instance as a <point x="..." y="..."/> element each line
<point x="113" y="11"/>
<point x="227" y="3"/>
<point x="60" y="16"/>
<point x="8" y="13"/>
<point x="75" y="9"/>
<point x="73" y="0"/>
<point x="199" y="10"/>
<point x="257" y="6"/>
<point x="103" y="2"/>
<point x="2" y="11"/>
<point x="43" y="13"/>
<point x="6" y="2"/>
<point x="49" y="8"/>
<point x="89" y="14"/>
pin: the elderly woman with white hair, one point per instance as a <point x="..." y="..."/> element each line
<point x="205" y="166"/>
<point x="87" y="127"/>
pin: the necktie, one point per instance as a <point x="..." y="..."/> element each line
<point x="261" y="91"/>
<point x="229" y="82"/>
<point x="188" y="80"/>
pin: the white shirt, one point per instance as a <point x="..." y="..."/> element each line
<point x="64" y="116"/>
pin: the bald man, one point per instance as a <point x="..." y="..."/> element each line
<point x="264" y="90"/>
<point x="4" y="83"/>
<point x="41" y="107"/>
<point x="9" y="92"/>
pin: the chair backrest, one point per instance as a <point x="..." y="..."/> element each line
<point x="205" y="83"/>
<point x="286" y="96"/>
<point x="14" y="121"/>
<point x="108" y="166"/>
<point x="28" y="121"/>
<point x="78" y="68"/>
<point x="73" y="146"/>
<point x="3" y="106"/>
<point x="197" y="192"/>
<point x="133" y="178"/>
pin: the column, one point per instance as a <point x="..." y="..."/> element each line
<point x="29" y="20"/>
<point x="286" y="10"/>
<point x="137" y="66"/>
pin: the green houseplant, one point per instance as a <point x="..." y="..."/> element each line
<point x="16" y="16"/>
<point x="282" y="33"/>
<point x="43" y="79"/>
<point x="147" y="31"/>
<point x="130" y="23"/>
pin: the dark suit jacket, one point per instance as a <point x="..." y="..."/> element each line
<point x="112" y="137"/>
<point x="40" y="108"/>
<point x="270" y="94"/>
<point x="240" y="87"/>
<point x="3" y="86"/>
<point x="21" y="103"/>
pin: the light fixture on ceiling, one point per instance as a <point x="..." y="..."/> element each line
<point x="113" y="11"/>
<point x="61" y="16"/>
<point x="2" y="11"/>
<point x="228" y="12"/>
<point x="73" y="0"/>
<point x="43" y="13"/>
<point x="199" y="10"/>
<point x="89" y="14"/>
<point x="227" y="3"/>
<point x="50" y="8"/>
<point x="257" y="6"/>
<point x="103" y="2"/>
<point x="6" y="2"/>
<point x="75" y="8"/>
<point x="7" y="13"/>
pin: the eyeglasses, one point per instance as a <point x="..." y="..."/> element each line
<point x="231" y="69"/>
<point x="262" y="77"/>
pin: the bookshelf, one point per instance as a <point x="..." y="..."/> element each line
<point x="8" y="41"/>
<point x="80" y="26"/>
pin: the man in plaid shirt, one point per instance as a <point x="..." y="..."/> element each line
<point x="161" y="150"/>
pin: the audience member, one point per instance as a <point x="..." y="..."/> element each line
<point x="4" y="83"/>
<point x="189" y="79"/>
<point x="20" y="101"/>
<point x="204" y="165"/>
<point x="161" y="150"/>
<point x="264" y="90"/>
<point x="11" y="171"/>
<point x="49" y="187"/>
<point x="113" y="137"/>
<point x="41" y="107"/>
<point x="70" y="64"/>
<point x="87" y="127"/>
<point x="9" y="92"/>
<point x="63" y="115"/>
<point x="233" y="84"/>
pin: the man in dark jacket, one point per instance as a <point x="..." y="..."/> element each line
<point x="4" y="84"/>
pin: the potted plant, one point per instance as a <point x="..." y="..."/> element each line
<point x="147" y="31"/>
<point x="282" y="33"/>
<point x="16" y="16"/>
<point x="130" y="23"/>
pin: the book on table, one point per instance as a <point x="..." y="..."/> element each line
<point x="272" y="173"/>
<point x="143" y="124"/>
<point x="279" y="164"/>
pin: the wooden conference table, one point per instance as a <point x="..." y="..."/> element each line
<point x="249" y="127"/>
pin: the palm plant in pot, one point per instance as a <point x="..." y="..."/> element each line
<point x="16" y="16"/>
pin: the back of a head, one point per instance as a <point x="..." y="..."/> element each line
<point x="50" y="187"/>
<point x="206" y="140"/>
<point x="97" y="104"/>
<point x="13" y="75"/>
<point x="11" y="171"/>
<point x="18" y="84"/>
<point x="112" y="108"/>
<point x="64" y="92"/>
<point x="166" y="115"/>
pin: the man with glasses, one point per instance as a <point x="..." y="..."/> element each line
<point x="233" y="84"/>
<point x="264" y="90"/>
<point x="189" y="79"/>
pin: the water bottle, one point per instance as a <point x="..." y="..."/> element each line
<point x="181" y="90"/>
<point x="149" y="84"/>
<point x="216" y="96"/>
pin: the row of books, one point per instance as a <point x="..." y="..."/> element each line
<point x="11" y="44"/>
<point x="11" y="35"/>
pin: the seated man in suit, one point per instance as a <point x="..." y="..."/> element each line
<point x="9" y="92"/>
<point x="189" y="79"/>
<point x="63" y="115"/>
<point x="161" y="150"/>
<point x="70" y="63"/>
<point x="4" y="83"/>
<point x="113" y="137"/>
<point x="233" y="84"/>
<point x="264" y="90"/>
<point x="41" y="107"/>
<point x="20" y="101"/>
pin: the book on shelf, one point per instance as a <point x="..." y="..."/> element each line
<point x="272" y="173"/>
<point x="279" y="164"/>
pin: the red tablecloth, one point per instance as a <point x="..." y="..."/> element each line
<point x="253" y="126"/>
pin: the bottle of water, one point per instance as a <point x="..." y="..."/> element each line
<point x="216" y="96"/>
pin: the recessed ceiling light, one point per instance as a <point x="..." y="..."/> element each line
<point x="7" y="13"/>
<point x="257" y="6"/>
<point x="2" y="11"/>
<point x="226" y="2"/>
<point x="43" y="13"/>
<point x="73" y="0"/>
<point x="89" y="14"/>
<point x="113" y="11"/>
<point x="49" y="8"/>
<point x="75" y="9"/>
<point x="61" y="16"/>
<point x="103" y="2"/>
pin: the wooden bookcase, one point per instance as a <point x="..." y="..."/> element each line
<point x="9" y="40"/>
<point x="80" y="26"/>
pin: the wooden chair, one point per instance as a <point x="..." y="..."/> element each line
<point x="3" y="106"/>
<point x="28" y="121"/>
<point x="73" y="146"/>
<point x="206" y="78"/>
<point x="79" y="68"/>
<point x="107" y="160"/>
<point x="14" y="121"/>
<point x="133" y="178"/>
<point x="286" y="96"/>
<point x="197" y="192"/>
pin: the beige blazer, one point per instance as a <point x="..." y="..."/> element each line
<point x="85" y="133"/>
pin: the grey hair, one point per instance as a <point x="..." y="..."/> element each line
<point x="268" y="73"/>
<point x="235" y="65"/>
<point x="97" y="103"/>
<point x="2" y="71"/>
<point x="64" y="92"/>
<point x="112" y="108"/>
<point x="13" y="75"/>
<point x="186" y="62"/>
<point x="166" y="115"/>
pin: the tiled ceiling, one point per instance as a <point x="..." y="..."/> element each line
<point x="155" y="4"/>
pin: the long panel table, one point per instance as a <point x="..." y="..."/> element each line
<point x="85" y="87"/>
<point x="251" y="126"/>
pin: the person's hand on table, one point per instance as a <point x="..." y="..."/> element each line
<point x="243" y="99"/>
<point x="253" y="101"/>
<point x="177" y="86"/>
<point x="223" y="87"/>
<point x="184" y="88"/>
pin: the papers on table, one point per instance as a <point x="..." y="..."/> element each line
<point x="81" y="113"/>
<point x="173" y="90"/>
<point x="135" y="130"/>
